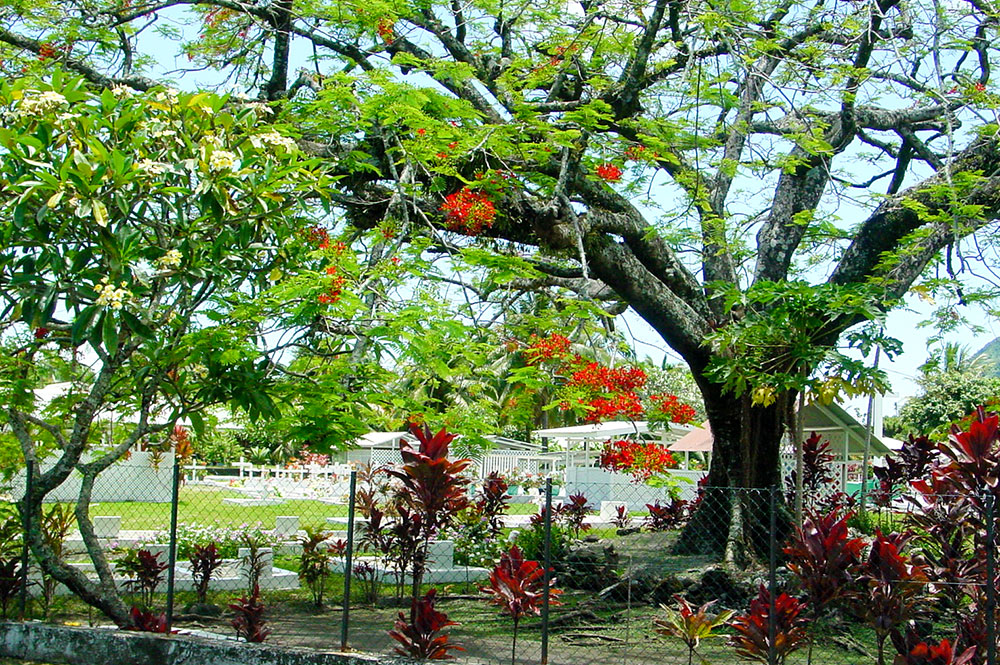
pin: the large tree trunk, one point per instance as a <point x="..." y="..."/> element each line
<point x="733" y="518"/>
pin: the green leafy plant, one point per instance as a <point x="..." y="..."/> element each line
<point x="57" y="522"/>
<point x="314" y="562"/>
<point x="691" y="625"/>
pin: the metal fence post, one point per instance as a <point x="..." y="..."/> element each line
<point x="547" y="574"/>
<point x="991" y="601"/>
<point x="172" y="548"/>
<point x="772" y="573"/>
<point x="348" y="564"/>
<point x="29" y="486"/>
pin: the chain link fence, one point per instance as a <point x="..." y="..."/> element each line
<point x="637" y="575"/>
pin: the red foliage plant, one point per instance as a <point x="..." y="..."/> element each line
<point x="204" y="560"/>
<point x="824" y="559"/>
<point x="916" y="652"/>
<point x="752" y="638"/>
<point x="891" y="585"/>
<point x="517" y="587"/>
<point x="433" y="484"/>
<point x="663" y="517"/>
<point x="575" y="511"/>
<point x="491" y="504"/>
<point x="249" y="620"/>
<point x="420" y="638"/>
<point x="432" y="491"/>
<point x="147" y="621"/>
<point x="622" y="519"/>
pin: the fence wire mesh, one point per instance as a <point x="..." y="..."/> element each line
<point x="638" y="574"/>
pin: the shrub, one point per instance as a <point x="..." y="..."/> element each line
<point x="314" y="562"/>
<point x="575" y="512"/>
<point x="752" y="636"/>
<point x="249" y="620"/>
<point x="421" y="637"/>
<point x="666" y="517"/>
<point x="145" y="572"/>
<point x="517" y="586"/>
<point x="690" y="625"/>
<point x="205" y="560"/>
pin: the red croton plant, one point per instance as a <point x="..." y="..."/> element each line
<point x="517" y="586"/>
<point x="752" y="636"/>
<point x="432" y="489"/>
<point x="421" y="637"/>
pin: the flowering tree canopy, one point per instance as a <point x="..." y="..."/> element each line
<point x="133" y="224"/>
<point x="682" y="158"/>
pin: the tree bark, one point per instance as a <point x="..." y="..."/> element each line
<point x="732" y="518"/>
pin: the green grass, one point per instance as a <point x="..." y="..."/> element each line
<point x="204" y="505"/>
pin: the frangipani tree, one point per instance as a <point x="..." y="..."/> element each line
<point x="132" y="226"/>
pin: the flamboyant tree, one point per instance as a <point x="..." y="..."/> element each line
<point x="696" y="161"/>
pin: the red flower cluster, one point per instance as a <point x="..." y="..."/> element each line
<point x="467" y="211"/>
<point x="609" y="172"/>
<point x="623" y="405"/>
<point x="385" y="29"/>
<point x="318" y="236"/>
<point x="635" y="153"/>
<point x="640" y="460"/>
<point x="674" y="409"/>
<point x="46" y="51"/>
<point x="41" y="333"/>
<point x="554" y="346"/>
<point x="980" y="87"/>
<point x="597" y="376"/>
<point x="337" y="282"/>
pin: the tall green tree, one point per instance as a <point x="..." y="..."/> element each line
<point x="683" y="156"/>
<point x="132" y="226"/>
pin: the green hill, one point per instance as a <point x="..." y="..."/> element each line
<point x="991" y="357"/>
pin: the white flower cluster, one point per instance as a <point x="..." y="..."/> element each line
<point x="170" y="260"/>
<point x="40" y="103"/>
<point x="213" y="140"/>
<point x="273" y="139"/>
<point x="222" y="160"/>
<point x="150" y="167"/>
<point x="109" y="296"/>
<point x="167" y="96"/>
<point x="122" y="91"/>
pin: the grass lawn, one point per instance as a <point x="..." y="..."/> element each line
<point x="204" y="505"/>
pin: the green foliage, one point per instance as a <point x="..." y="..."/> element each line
<point x="778" y="346"/>
<point x="945" y="398"/>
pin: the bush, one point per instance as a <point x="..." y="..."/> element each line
<point x="531" y="541"/>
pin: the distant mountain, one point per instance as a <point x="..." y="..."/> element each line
<point x="990" y="355"/>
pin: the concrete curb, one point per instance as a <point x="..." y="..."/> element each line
<point x="68" y="644"/>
